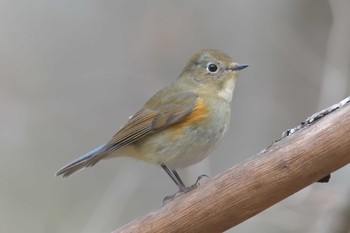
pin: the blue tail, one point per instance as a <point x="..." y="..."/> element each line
<point x="79" y="163"/>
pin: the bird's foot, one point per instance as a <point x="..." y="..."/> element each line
<point x="199" y="178"/>
<point x="178" y="193"/>
<point x="183" y="190"/>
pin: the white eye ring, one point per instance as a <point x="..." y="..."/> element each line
<point x="212" y="68"/>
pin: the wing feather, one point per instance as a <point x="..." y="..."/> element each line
<point x="156" y="115"/>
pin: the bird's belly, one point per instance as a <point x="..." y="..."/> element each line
<point x="180" y="147"/>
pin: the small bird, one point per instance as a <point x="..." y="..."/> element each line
<point x="181" y="124"/>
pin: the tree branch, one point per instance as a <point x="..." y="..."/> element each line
<point x="303" y="155"/>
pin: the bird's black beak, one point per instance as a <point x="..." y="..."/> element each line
<point x="239" y="67"/>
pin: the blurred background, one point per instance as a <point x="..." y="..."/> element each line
<point x="72" y="72"/>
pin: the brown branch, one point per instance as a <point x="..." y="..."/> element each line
<point x="303" y="155"/>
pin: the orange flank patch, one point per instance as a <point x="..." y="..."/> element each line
<point x="199" y="113"/>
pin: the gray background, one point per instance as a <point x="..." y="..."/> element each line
<point x="71" y="72"/>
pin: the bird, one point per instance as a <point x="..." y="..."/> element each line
<point x="181" y="124"/>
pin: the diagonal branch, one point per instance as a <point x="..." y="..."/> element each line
<point x="303" y="155"/>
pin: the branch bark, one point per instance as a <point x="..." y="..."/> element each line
<point x="318" y="146"/>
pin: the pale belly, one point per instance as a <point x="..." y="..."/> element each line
<point x="184" y="147"/>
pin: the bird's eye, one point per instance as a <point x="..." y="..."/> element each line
<point x="212" y="68"/>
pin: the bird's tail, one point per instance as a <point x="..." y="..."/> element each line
<point x="80" y="163"/>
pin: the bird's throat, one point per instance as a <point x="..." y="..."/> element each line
<point x="227" y="89"/>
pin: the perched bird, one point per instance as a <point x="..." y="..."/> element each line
<point x="181" y="124"/>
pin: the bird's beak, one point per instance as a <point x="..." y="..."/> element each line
<point x="239" y="67"/>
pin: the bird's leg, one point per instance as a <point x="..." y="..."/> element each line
<point x="180" y="184"/>
<point x="175" y="177"/>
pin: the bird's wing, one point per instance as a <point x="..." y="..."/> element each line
<point x="157" y="114"/>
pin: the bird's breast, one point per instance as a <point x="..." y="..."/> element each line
<point x="191" y="139"/>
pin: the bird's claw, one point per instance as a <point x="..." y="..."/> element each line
<point x="178" y="193"/>
<point x="199" y="178"/>
<point x="183" y="190"/>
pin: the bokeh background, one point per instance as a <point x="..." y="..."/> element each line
<point x="72" y="72"/>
